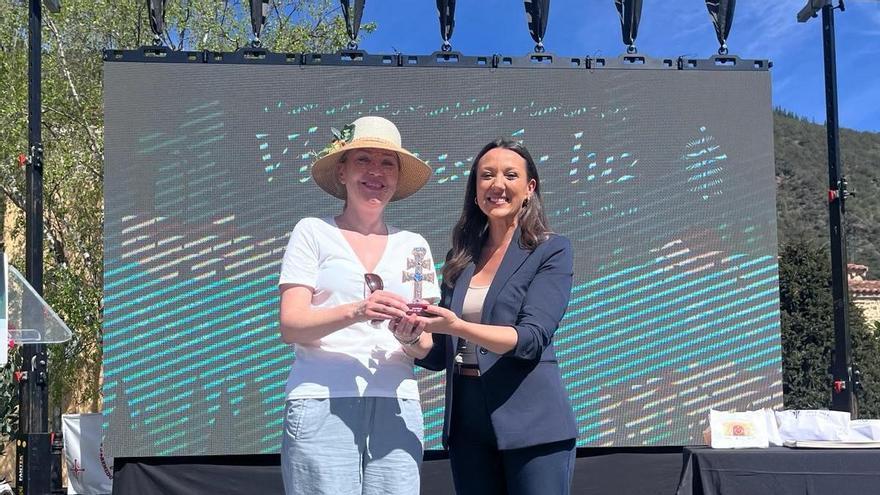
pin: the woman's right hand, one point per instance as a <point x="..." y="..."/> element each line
<point x="382" y="305"/>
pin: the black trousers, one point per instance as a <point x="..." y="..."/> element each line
<point x="480" y="468"/>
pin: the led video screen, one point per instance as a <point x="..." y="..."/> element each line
<point x="662" y="179"/>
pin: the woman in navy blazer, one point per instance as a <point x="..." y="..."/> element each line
<point x="509" y="426"/>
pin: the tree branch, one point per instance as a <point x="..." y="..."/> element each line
<point x="97" y="151"/>
<point x="16" y="199"/>
<point x="55" y="236"/>
<point x="183" y="26"/>
<point x="96" y="174"/>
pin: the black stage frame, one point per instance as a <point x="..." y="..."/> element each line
<point x="355" y="58"/>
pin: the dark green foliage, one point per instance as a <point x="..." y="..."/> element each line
<point x="9" y="394"/>
<point x="808" y="333"/>
<point x="866" y="355"/>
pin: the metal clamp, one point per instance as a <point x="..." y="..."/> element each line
<point x="35" y="159"/>
<point x="843" y="187"/>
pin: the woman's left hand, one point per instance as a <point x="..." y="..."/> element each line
<point x="407" y="328"/>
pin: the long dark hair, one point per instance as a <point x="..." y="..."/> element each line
<point x="472" y="228"/>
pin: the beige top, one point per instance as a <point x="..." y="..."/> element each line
<point x="471" y="311"/>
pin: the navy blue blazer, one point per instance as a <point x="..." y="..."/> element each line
<point x="527" y="401"/>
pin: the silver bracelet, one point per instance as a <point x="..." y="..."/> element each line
<point x="412" y="341"/>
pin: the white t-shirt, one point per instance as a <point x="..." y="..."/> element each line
<point x="361" y="360"/>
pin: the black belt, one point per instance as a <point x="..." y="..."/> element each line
<point x="464" y="370"/>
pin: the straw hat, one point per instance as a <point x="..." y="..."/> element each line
<point x="369" y="132"/>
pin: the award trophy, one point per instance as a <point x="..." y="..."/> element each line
<point x="415" y="272"/>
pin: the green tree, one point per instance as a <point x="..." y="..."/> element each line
<point x="73" y="130"/>
<point x="808" y="333"/>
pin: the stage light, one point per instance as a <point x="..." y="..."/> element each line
<point x="811" y="9"/>
<point x="721" y="12"/>
<point x="259" y="12"/>
<point x="352" y="11"/>
<point x="630" y="13"/>
<point x="537" y="12"/>
<point x="54" y="6"/>
<point x="446" y="12"/>
<point x="156" y="11"/>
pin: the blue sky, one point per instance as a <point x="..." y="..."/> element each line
<point x="765" y="29"/>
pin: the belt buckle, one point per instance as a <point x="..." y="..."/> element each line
<point x="466" y="371"/>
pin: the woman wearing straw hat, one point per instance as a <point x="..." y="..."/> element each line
<point x="353" y="422"/>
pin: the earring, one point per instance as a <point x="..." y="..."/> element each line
<point x="525" y="202"/>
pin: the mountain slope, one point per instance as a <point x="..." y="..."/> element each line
<point x="802" y="185"/>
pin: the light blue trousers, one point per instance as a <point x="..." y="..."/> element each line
<point x="352" y="445"/>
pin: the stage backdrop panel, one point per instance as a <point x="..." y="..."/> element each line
<point x="662" y="179"/>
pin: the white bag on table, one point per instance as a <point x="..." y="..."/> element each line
<point x="863" y="430"/>
<point x="772" y="427"/>
<point x="738" y="430"/>
<point x="813" y="424"/>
